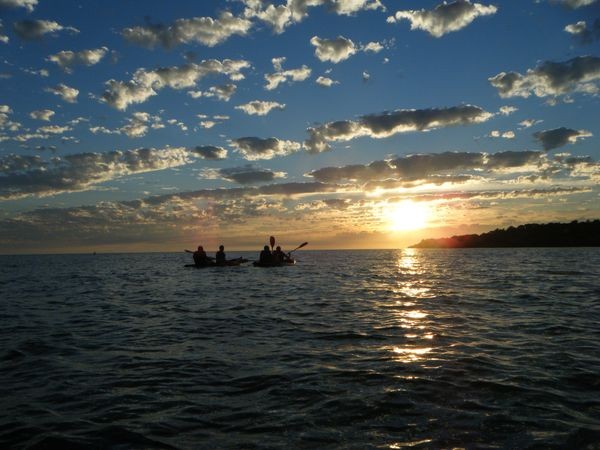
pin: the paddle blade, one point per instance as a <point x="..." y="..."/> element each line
<point x="272" y="241"/>
<point x="303" y="245"/>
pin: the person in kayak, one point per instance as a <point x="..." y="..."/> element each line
<point x="265" y="256"/>
<point x="220" y="256"/>
<point x="199" y="256"/>
<point x="279" y="256"/>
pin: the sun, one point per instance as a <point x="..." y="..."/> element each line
<point x="406" y="215"/>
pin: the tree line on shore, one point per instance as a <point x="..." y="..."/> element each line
<point x="572" y="234"/>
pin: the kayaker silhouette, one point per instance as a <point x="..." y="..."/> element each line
<point x="266" y="256"/>
<point x="199" y="256"/>
<point x="279" y="256"/>
<point x="220" y="256"/>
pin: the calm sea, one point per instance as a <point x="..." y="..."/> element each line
<point x="476" y="348"/>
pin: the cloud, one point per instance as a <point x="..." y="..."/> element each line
<point x="67" y="59"/>
<point x="502" y="134"/>
<point x="201" y="30"/>
<point x="29" y="5"/>
<point x="146" y="83"/>
<point x="254" y="148"/>
<point x="259" y="107"/>
<point x="445" y="17"/>
<point x="42" y="114"/>
<point x="54" y="129"/>
<point x="207" y="124"/>
<point x="582" y="33"/>
<point x="508" y="110"/>
<point x="333" y="50"/>
<point x="36" y="29"/>
<point x="528" y="123"/>
<point x="209" y="152"/>
<point x="434" y="168"/>
<point x="22" y="176"/>
<point x="68" y="94"/>
<point x="138" y="124"/>
<point x="6" y="124"/>
<point x="579" y="74"/>
<point x="248" y="174"/>
<point x="3" y="38"/>
<point x="223" y="92"/>
<point x="294" y="11"/>
<point x="374" y="47"/>
<point x="325" y="81"/>
<point x="574" y="4"/>
<point x="560" y="137"/>
<point x="387" y="124"/>
<point x="283" y="76"/>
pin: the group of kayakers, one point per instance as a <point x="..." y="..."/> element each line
<point x="267" y="257"/>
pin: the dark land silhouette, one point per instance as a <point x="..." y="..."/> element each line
<point x="573" y="234"/>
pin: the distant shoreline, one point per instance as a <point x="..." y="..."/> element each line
<point x="572" y="234"/>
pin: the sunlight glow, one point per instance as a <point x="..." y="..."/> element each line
<point x="406" y="215"/>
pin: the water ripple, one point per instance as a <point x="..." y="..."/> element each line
<point x="478" y="348"/>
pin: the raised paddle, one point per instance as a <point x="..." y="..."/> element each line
<point x="272" y="242"/>
<point x="304" y="244"/>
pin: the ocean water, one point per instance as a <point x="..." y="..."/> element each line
<point x="475" y="348"/>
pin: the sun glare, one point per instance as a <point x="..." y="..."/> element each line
<point x="406" y="215"/>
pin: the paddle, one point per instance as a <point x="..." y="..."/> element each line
<point x="304" y="244"/>
<point x="272" y="241"/>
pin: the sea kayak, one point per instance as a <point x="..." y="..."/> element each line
<point x="231" y="262"/>
<point x="289" y="262"/>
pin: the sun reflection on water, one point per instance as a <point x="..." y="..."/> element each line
<point x="410" y="314"/>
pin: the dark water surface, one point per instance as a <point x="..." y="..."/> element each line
<point x="475" y="348"/>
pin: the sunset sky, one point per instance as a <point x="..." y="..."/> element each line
<point x="154" y="126"/>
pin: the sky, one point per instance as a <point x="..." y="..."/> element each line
<point x="158" y="126"/>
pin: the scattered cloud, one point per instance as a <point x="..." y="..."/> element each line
<point x="374" y="47"/>
<point x="68" y="94"/>
<point x="254" y="148"/>
<point x="223" y="92"/>
<point x="333" y="50"/>
<point x="139" y="123"/>
<point x="325" y="81"/>
<point x="574" y="4"/>
<point x="54" y="129"/>
<point x="201" y="30"/>
<point x="508" y="110"/>
<point x="259" y="107"/>
<point x="146" y="83"/>
<point x="445" y="17"/>
<point x="36" y="29"/>
<point x="207" y="124"/>
<point x="282" y="16"/>
<point x="67" y="59"/>
<point x="582" y="33"/>
<point x="3" y="38"/>
<point x="502" y="134"/>
<point x="387" y="124"/>
<point x="209" y="152"/>
<point x="248" y="174"/>
<point x="560" y="137"/>
<point x="285" y="76"/>
<point x="29" y="5"/>
<point x="42" y="114"/>
<point x="551" y="79"/>
<point x="22" y="175"/>
<point x="528" y="123"/>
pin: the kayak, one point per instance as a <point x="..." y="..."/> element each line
<point x="289" y="262"/>
<point x="231" y="262"/>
